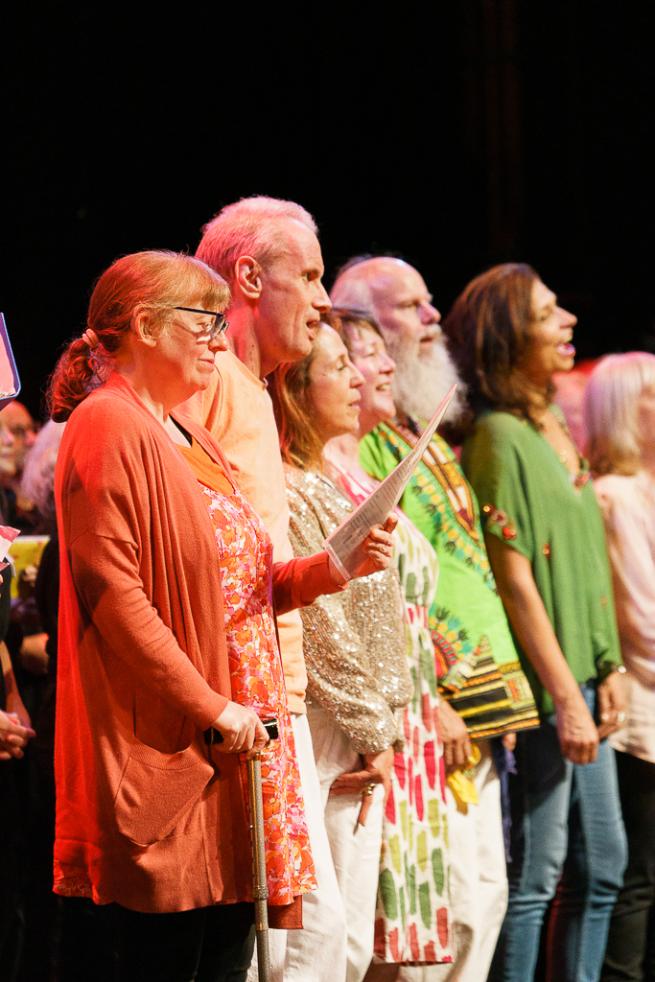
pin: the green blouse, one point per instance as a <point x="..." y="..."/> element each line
<point x="532" y="502"/>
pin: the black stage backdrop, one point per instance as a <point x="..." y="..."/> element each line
<point x="457" y="135"/>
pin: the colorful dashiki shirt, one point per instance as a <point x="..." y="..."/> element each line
<point x="477" y="663"/>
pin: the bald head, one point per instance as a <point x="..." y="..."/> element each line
<point x="258" y="226"/>
<point x="396" y="294"/>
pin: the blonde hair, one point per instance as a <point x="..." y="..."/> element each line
<point x="249" y="227"/>
<point x="157" y="280"/>
<point x="350" y="323"/>
<point x="610" y="410"/>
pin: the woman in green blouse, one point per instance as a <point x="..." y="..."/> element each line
<point x="545" y="540"/>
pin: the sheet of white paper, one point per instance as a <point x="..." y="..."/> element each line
<point x="345" y="544"/>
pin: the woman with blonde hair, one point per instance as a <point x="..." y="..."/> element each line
<point x="167" y="658"/>
<point x="412" y="920"/>
<point x="620" y="419"/>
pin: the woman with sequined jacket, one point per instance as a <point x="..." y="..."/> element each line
<point x="354" y="643"/>
<point x="546" y="543"/>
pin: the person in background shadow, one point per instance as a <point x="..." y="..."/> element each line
<point x="15" y="733"/>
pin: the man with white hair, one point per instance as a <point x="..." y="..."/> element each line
<point x="268" y="252"/>
<point x="477" y="663"/>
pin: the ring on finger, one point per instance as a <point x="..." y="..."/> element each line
<point x="368" y="790"/>
<point x="621" y="717"/>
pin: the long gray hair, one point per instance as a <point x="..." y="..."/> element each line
<point x="37" y="484"/>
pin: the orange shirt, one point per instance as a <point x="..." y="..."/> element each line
<point x="237" y="410"/>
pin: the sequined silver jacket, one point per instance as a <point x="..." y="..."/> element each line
<point x="354" y="641"/>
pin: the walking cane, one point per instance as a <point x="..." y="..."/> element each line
<point x="259" y="884"/>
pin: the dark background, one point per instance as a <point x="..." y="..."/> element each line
<point x="457" y="135"/>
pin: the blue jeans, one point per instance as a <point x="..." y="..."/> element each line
<point x="568" y="847"/>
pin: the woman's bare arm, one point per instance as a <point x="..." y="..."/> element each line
<point x="577" y="731"/>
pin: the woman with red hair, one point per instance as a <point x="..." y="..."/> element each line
<point x="167" y="639"/>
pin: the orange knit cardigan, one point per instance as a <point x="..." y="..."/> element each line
<point x="147" y="816"/>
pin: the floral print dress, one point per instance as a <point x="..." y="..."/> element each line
<point x="412" y="922"/>
<point x="245" y="565"/>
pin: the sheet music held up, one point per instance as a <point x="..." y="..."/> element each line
<point x="344" y="545"/>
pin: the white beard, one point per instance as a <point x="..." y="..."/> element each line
<point x="423" y="378"/>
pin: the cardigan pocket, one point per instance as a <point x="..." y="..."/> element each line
<point x="157" y="790"/>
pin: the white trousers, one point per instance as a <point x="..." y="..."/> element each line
<point x="355" y="848"/>
<point x="317" y="952"/>
<point x="478" y="886"/>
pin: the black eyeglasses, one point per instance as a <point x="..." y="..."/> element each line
<point x="219" y="326"/>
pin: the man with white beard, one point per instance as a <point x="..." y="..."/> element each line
<point x="477" y="663"/>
